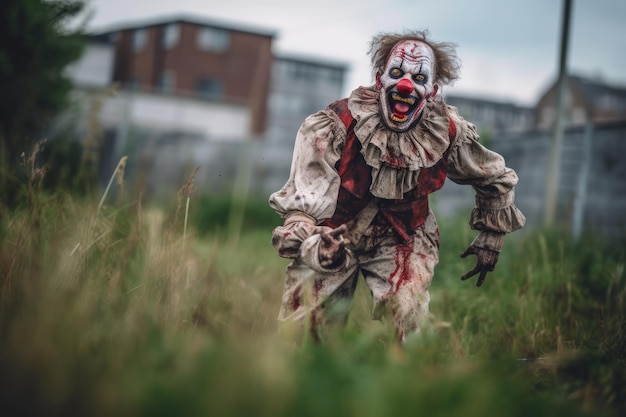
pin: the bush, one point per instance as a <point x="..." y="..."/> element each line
<point x="214" y="214"/>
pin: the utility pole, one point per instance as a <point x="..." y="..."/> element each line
<point x="556" y="148"/>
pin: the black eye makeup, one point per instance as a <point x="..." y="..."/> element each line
<point x="396" y="73"/>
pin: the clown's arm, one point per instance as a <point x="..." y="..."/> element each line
<point x="310" y="195"/>
<point x="495" y="213"/>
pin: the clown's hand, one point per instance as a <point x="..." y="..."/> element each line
<point x="332" y="249"/>
<point x="486" y="262"/>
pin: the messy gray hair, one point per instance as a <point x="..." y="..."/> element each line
<point x="447" y="63"/>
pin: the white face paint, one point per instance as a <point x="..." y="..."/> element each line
<point x="406" y="84"/>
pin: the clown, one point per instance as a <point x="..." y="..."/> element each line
<point x="356" y="201"/>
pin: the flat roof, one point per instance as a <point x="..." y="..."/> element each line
<point x="184" y="18"/>
<point x="312" y="60"/>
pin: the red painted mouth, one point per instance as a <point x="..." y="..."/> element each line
<point x="402" y="106"/>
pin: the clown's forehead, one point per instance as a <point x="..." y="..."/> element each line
<point x="412" y="51"/>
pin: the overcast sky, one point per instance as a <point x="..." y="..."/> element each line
<point x="509" y="48"/>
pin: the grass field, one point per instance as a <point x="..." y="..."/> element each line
<point x="119" y="309"/>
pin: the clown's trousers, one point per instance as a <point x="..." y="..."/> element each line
<point x="398" y="274"/>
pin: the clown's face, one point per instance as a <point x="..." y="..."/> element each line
<point x="406" y="84"/>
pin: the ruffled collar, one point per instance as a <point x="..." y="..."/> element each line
<point x="396" y="158"/>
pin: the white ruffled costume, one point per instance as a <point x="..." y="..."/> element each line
<point x="398" y="273"/>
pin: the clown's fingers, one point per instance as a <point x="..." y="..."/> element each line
<point x="339" y="231"/>
<point x="469" y="251"/>
<point x="471" y="273"/>
<point x="481" y="278"/>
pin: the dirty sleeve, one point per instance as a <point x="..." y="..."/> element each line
<point x="470" y="163"/>
<point x="313" y="183"/>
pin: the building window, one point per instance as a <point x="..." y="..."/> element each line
<point x="302" y="72"/>
<point x="336" y="76"/>
<point x="213" y="40"/>
<point x="167" y="82"/>
<point x="140" y="39"/>
<point x="209" y="88"/>
<point x="171" y="35"/>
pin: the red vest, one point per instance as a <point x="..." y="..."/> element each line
<point x="404" y="215"/>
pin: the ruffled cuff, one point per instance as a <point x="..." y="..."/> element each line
<point x="288" y="238"/>
<point x="309" y="255"/>
<point x="501" y="220"/>
<point x="299" y="216"/>
<point x="489" y="240"/>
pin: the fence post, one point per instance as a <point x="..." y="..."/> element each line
<point x="554" y="163"/>
<point x="581" y="187"/>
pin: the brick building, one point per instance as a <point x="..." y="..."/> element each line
<point x="197" y="58"/>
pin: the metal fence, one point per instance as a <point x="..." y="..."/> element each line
<point x="591" y="195"/>
<point x="592" y="189"/>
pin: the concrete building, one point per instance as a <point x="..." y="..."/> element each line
<point x="300" y="86"/>
<point x="492" y="117"/>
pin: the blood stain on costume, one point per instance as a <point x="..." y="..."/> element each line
<point x="395" y="161"/>
<point x="313" y="326"/>
<point x="296" y="299"/>
<point x="321" y="142"/>
<point x="401" y="275"/>
<point x="317" y="287"/>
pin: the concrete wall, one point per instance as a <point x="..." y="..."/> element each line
<point x="161" y="135"/>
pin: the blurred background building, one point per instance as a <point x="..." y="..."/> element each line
<point x="193" y="58"/>
<point x="492" y="117"/>
<point x="586" y="100"/>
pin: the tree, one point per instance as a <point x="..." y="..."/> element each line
<point x="36" y="45"/>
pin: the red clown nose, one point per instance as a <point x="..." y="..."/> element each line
<point x="405" y="86"/>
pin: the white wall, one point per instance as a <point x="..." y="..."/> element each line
<point x="215" y="121"/>
<point x="95" y="67"/>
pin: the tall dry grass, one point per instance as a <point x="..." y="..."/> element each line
<point x="120" y="309"/>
